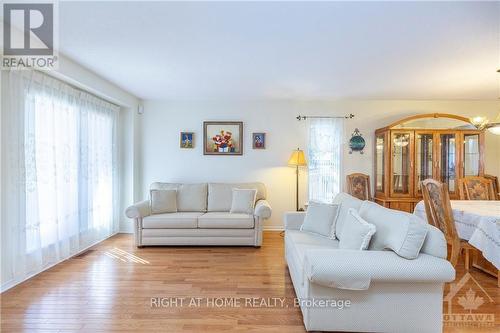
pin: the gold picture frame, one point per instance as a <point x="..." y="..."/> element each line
<point x="223" y="138"/>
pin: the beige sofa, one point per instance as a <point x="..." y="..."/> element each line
<point x="202" y="217"/>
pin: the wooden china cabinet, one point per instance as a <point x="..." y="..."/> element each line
<point x="444" y="147"/>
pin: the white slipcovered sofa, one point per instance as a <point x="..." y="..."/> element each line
<point x="385" y="292"/>
<point x="203" y="217"/>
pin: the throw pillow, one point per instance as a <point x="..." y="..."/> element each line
<point x="356" y="233"/>
<point x="243" y="201"/>
<point x="163" y="201"/>
<point x="346" y="202"/>
<point x="320" y="218"/>
<point x="403" y="233"/>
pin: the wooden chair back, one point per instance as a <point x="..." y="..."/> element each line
<point x="438" y="208"/>
<point x="476" y="188"/>
<point x="496" y="185"/>
<point x="358" y="185"/>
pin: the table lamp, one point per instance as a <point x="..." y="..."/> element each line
<point x="297" y="159"/>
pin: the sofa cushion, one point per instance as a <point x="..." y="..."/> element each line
<point x="346" y="202"/>
<point x="320" y="218"/>
<point x="163" y="201"/>
<point x="190" y="197"/>
<point x="183" y="220"/>
<point x="220" y="195"/>
<point x="357" y="233"/>
<point x="401" y="232"/>
<point x="212" y="220"/>
<point x="301" y="241"/>
<point x="243" y="201"/>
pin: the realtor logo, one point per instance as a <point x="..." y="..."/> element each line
<point x="29" y="35"/>
<point x="470" y="315"/>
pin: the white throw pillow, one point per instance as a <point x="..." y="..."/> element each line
<point x="401" y="232"/>
<point x="320" y="219"/>
<point x="220" y="194"/>
<point x="346" y="202"/>
<point x="243" y="201"/>
<point x="163" y="201"/>
<point x="356" y="233"/>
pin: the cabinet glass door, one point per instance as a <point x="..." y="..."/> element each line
<point x="471" y="155"/>
<point x="448" y="159"/>
<point x="401" y="163"/>
<point x="379" y="163"/>
<point x="424" y="149"/>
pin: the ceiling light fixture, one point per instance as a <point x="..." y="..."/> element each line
<point x="495" y="129"/>
<point x="479" y="121"/>
<point x="482" y="123"/>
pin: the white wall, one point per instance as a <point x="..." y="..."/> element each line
<point x="162" y="160"/>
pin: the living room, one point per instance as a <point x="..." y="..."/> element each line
<point x="187" y="166"/>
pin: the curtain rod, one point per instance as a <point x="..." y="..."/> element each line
<point x="349" y="116"/>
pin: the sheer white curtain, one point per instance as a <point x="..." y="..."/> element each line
<point x="325" y="158"/>
<point x="60" y="176"/>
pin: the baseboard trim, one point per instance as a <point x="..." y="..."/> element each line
<point x="265" y="228"/>
<point x="273" y="228"/>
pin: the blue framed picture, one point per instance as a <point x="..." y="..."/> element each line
<point x="259" y="140"/>
<point x="187" y="140"/>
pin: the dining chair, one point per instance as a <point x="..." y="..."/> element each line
<point x="439" y="213"/>
<point x="476" y="188"/>
<point x="358" y="185"/>
<point x="496" y="186"/>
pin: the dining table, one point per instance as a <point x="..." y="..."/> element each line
<point x="477" y="222"/>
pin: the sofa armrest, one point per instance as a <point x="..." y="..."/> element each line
<point x="293" y="220"/>
<point x="138" y="210"/>
<point x="354" y="269"/>
<point x="263" y="209"/>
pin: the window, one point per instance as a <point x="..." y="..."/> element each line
<point x="61" y="174"/>
<point x="69" y="160"/>
<point x="325" y="162"/>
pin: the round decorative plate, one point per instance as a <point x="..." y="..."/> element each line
<point x="357" y="142"/>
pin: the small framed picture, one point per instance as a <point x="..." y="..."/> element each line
<point x="259" y="140"/>
<point x="187" y="140"/>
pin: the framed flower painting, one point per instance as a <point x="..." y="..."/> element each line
<point x="223" y="138"/>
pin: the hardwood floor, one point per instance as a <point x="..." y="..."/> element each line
<point x="110" y="288"/>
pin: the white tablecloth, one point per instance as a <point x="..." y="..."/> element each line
<point x="478" y="222"/>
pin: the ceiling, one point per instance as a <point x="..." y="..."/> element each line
<point x="293" y="50"/>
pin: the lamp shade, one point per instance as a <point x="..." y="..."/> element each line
<point x="297" y="159"/>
